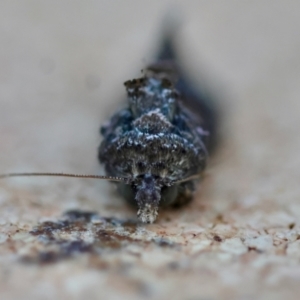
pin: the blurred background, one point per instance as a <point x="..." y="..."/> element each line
<point x="62" y="68"/>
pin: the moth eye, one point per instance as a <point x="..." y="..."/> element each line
<point x="169" y="195"/>
<point x="160" y="165"/>
<point x="128" y="192"/>
<point x="141" y="165"/>
<point x="138" y="147"/>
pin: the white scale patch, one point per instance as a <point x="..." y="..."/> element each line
<point x="158" y="114"/>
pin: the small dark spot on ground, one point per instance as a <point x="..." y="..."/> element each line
<point x="47" y="257"/>
<point x="292" y="226"/>
<point x="254" y="249"/>
<point x="78" y="246"/>
<point x="217" y="238"/>
<point x="163" y="242"/>
<point x="220" y="219"/>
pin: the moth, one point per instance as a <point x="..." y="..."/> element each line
<point x="156" y="148"/>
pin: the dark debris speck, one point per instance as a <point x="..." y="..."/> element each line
<point x="217" y="238"/>
<point x="292" y="226"/>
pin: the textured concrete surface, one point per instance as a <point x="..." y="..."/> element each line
<point x="62" y="65"/>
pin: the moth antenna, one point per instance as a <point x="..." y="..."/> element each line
<point x="188" y="178"/>
<point x="88" y="176"/>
